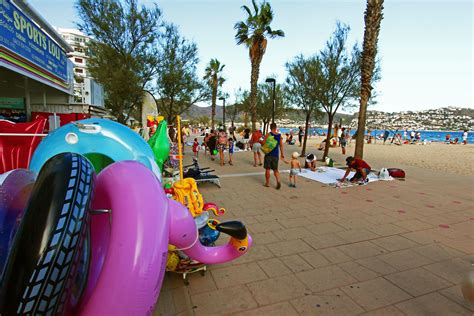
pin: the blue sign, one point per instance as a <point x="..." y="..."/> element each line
<point x="21" y="36"/>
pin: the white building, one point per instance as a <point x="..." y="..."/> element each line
<point x="86" y="90"/>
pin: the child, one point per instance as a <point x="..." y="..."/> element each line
<point x="295" y="168"/>
<point x="196" y="148"/>
<point x="231" y="149"/>
<point x="221" y="145"/>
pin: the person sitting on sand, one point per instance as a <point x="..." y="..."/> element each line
<point x="455" y="141"/>
<point x="361" y="167"/>
<point x="310" y="162"/>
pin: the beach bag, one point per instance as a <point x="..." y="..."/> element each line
<point x="240" y="145"/>
<point x="384" y="174"/>
<point x="329" y="162"/>
<point x="269" y="144"/>
<point x="396" y="173"/>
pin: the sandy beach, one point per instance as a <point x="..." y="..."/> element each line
<point x="452" y="159"/>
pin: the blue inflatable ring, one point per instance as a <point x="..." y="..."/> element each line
<point x="98" y="137"/>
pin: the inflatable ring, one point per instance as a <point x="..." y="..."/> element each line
<point x="15" y="191"/>
<point x="42" y="261"/>
<point x="101" y="141"/>
<point x="129" y="242"/>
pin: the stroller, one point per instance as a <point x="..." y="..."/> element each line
<point x="201" y="174"/>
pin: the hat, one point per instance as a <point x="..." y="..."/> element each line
<point x="349" y="160"/>
<point x="295" y="154"/>
<point x="310" y="158"/>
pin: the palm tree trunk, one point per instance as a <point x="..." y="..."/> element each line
<point x="328" y="136"/>
<point x="373" y="17"/>
<point x="253" y="93"/>
<point x="213" y="105"/>
<point x="306" y="127"/>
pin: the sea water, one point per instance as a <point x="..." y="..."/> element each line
<point x="434" y="136"/>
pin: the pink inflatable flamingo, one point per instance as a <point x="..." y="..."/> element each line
<point x="130" y="238"/>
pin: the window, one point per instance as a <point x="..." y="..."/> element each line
<point x="79" y="70"/>
<point x="78" y="60"/>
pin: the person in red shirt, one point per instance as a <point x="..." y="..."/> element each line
<point x="360" y="166"/>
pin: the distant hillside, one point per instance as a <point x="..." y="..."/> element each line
<point x="196" y="111"/>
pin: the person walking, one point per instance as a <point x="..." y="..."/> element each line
<point x="270" y="161"/>
<point x="342" y="140"/>
<point x="255" y="140"/>
<point x="300" y="135"/>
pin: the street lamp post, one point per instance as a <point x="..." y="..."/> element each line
<point x="273" y="81"/>
<point x="223" y="112"/>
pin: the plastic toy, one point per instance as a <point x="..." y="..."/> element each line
<point x="95" y="138"/>
<point x="15" y="190"/>
<point x="16" y="150"/>
<point x="130" y="244"/>
<point x="160" y="145"/>
<point x="186" y="192"/>
<point x="40" y="268"/>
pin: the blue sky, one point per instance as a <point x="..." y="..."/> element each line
<point x="426" y="47"/>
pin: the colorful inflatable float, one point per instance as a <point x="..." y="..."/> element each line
<point x="75" y="238"/>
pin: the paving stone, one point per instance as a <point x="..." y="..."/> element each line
<point x="375" y="293"/>
<point x="361" y="250"/>
<point x="277" y="289"/>
<point x="324" y="241"/>
<point x="223" y="301"/>
<point x="437" y="252"/>
<point x="461" y="243"/>
<point x="165" y="304"/>
<point x="357" y="271"/>
<point x="264" y="238"/>
<point x="356" y="235"/>
<point x="199" y="283"/>
<point x="424" y="237"/>
<point x="265" y="227"/>
<point x="454" y="293"/>
<point x="237" y="274"/>
<point x="334" y="255"/>
<point x="385" y="311"/>
<point x="181" y="299"/>
<point x="333" y="302"/>
<point x="405" y="259"/>
<point x="387" y="229"/>
<point x="413" y="225"/>
<point x="432" y="304"/>
<point x="274" y="267"/>
<point x="292" y="233"/>
<point x="295" y="263"/>
<point x="315" y="259"/>
<point x="393" y="243"/>
<point x="353" y="223"/>
<point x="452" y="270"/>
<point x="325" y="278"/>
<point x="324" y="228"/>
<point x="323" y="218"/>
<point x="294" y="222"/>
<point x="279" y="309"/>
<point x="418" y="281"/>
<point x="289" y="247"/>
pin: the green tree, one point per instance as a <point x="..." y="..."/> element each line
<point x="265" y="103"/>
<point x="337" y="83"/>
<point x="123" y="58"/>
<point x="253" y="33"/>
<point x="177" y="83"/>
<point x="214" y="79"/>
<point x="302" y="88"/>
<point x="373" y="18"/>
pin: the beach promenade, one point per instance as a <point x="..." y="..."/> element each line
<point x="387" y="248"/>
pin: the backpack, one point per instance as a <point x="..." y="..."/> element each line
<point x="269" y="144"/>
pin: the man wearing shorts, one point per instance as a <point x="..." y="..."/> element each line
<point x="271" y="159"/>
<point x="255" y="140"/>
<point x="361" y="167"/>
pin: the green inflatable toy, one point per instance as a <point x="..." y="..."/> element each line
<point x="160" y="145"/>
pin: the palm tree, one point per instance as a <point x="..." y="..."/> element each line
<point x="253" y="32"/>
<point x="213" y="75"/>
<point x="373" y="17"/>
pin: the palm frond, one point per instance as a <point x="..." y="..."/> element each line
<point x="246" y="9"/>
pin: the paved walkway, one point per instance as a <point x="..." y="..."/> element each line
<point x="388" y="248"/>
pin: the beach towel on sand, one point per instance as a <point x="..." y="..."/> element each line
<point x="329" y="175"/>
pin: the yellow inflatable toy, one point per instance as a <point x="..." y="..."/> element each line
<point x="186" y="193"/>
